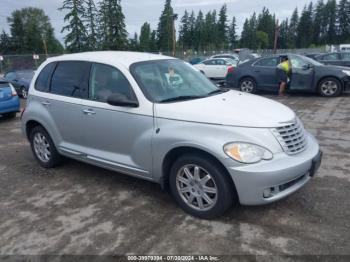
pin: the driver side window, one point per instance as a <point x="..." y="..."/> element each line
<point x="298" y="62"/>
<point x="106" y="80"/>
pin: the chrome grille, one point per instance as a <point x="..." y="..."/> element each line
<point x="291" y="137"/>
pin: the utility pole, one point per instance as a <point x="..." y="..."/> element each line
<point x="277" y="33"/>
<point x="174" y="34"/>
<point x="45" y="47"/>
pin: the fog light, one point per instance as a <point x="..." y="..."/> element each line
<point x="267" y="193"/>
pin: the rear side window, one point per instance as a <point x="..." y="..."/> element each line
<point x="210" y="62"/>
<point x="43" y="81"/>
<point x="269" y="62"/>
<point x="330" y="57"/>
<point x="71" y="78"/>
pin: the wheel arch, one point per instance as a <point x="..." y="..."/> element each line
<point x="328" y="76"/>
<point x="30" y="124"/>
<point x="175" y="153"/>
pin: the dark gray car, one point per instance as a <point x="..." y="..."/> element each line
<point x="20" y="79"/>
<point x="339" y="59"/>
<point x="308" y="75"/>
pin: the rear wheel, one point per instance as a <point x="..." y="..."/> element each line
<point x="43" y="148"/>
<point x="11" y="115"/>
<point x="200" y="186"/>
<point x="330" y="87"/>
<point x="247" y="85"/>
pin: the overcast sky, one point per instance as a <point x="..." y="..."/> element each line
<point x="139" y="11"/>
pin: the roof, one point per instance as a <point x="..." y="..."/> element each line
<point x="122" y="57"/>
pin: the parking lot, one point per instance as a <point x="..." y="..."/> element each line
<point x="81" y="209"/>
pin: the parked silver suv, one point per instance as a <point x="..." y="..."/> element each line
<point x="158" y="118"/>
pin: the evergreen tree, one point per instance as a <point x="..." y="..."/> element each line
<point x="222" y="28"/>
<point x="318" y="23"/>
<point x="165" y="28"/>
<point x="232" y="34"/>
<point x="283" y="35"/>
<point x="185" y="31"/>
<point x="192" y="28"/>
<point x="76" y="38"/>
<point x="91" y="25"/>
<point x="145" y="37"/>
<point x="266" y="23"/>
<point x="113" y="32"/>
<point x="6" y="46"/>
<point x="199" y="34"/>
<point x="343" y="21"/>
<point x="292" y="30"/>
<point x="134" y="43"/>
<point x="331" y="12"/>
<point x="154" y="42"/>
<point x="305" y="27"/>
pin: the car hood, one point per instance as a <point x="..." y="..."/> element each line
<point x="232" y="108"/>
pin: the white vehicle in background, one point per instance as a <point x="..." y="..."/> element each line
<point x="234" y="57"/>
<point x="344" y="48"/>
<point x="216" y="68"/>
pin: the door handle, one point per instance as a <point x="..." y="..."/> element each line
<point x="45" y="103"/>
<point x="89" y="112"/>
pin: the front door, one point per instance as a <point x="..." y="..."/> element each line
<point x="117" y="137"/>
<point x="302" y="74"/>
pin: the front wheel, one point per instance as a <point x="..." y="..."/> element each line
<point x="330" y="87"/>
<point x="247" y="85"/>
<point x="200" y="186"/>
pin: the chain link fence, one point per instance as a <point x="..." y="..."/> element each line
<point x="30" y="61"/>
<point x="22" y="62"/>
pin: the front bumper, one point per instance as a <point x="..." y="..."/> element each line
<point x="269" y="181"/>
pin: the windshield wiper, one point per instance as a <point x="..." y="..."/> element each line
<point x="218" y="91"/>
<point x="180" y="98"/>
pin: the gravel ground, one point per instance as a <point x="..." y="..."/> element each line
<point x="81" y="209"/>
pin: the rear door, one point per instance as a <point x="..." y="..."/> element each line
<point x="302" y="73"/>
<point x="264" y="72"/>
<point x="69" y="84"/>
<point x="345" y="57"/>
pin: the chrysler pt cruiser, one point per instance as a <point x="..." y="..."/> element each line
<point x="159" y="119"/>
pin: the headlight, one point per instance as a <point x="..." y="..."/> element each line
<point x="347" y="72"/>
<point x="246" y="152"/>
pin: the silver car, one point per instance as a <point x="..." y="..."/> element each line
<point x="159" y="119"/>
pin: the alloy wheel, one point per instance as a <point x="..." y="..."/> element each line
<point x="42" y="147"/>
<point x="329" y="88"/>
<point x="247" y="86"/>
<point x="196" y="187"/>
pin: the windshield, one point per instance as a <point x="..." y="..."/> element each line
<point x="166" y="80"/>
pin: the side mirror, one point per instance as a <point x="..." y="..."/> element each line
<point x="120" y="100"/>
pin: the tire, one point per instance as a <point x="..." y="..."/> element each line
<point x="247" y="85"/>
<point x="51" y="157"/>
<point x="24" y="92"/>
<point x="218" y="180"/>
<point x="330" y="87"/>
<point x="10" y="115"/>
